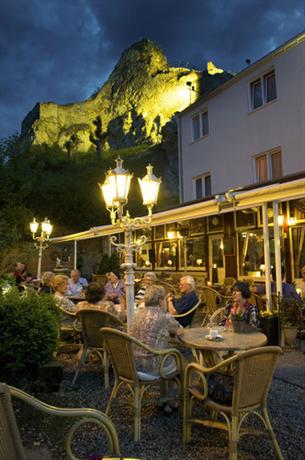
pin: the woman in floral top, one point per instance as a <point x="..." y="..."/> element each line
<point x="240" y="306"/>
<point x="152" y="325"/>
<point x="95" y="299"/>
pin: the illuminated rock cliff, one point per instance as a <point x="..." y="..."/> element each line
<point x="139" y="98"/>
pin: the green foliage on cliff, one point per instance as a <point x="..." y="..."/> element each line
<point x="42" y="181"/>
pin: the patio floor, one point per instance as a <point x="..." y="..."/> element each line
<point x="161" y="435"/>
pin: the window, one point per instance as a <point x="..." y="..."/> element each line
<point x="251" y="253"/>
<point x="256" y="94"/>
<point x="196" y="127"/>
<point x="269" y="87"/>
<point x="200" y="126"/>
<point x="205" y="123"/>
<point x="202" y="186"/>
<point x="263" y="90"/>
<point x="268" y="166"/>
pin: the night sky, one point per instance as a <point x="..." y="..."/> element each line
<point x="63" y="50"/>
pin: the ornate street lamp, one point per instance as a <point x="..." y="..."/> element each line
<point x="42" y="240"/>
<point x="115" y="192"/>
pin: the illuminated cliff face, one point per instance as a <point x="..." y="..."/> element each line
<point x="140" y="97"/>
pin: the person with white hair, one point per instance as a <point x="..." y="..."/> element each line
<point x="184" y="303"/>
<point x="77" y="284"/>
<point x="149" y="279"/>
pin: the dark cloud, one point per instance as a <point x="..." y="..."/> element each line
<point x="62" y="50"/>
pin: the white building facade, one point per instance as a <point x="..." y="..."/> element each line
<point x="248" y="130"/>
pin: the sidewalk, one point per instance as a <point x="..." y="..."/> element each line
<point x="291" y="367"/>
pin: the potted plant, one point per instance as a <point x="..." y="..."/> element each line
<point x="290" y="316"/>
<point x="269" y="322"/>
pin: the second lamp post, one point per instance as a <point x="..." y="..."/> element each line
<point x="42" y="240"/>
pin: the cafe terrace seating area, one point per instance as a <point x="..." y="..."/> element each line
<point x="125" y="416"/>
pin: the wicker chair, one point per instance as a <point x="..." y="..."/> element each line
<point x="257" y="300"/>
<point x="252" y="373"/>
<point x="120" y="348"/>
<point x="169" y="287"/>
<point x="11" y="447"/>
<point x="92" y="321"/>
<point x="212" y="300"/>
<point x="217" y="315"/>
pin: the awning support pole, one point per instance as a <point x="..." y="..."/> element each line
<point x="267" y="256"/>
<point x="277" y="249"/>
<point x="75" y="255"/>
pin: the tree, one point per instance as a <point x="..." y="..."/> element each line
<point x="71" y="145"/>
<point x="98" y="138"/>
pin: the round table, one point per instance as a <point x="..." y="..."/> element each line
<point x="195" y="338"/>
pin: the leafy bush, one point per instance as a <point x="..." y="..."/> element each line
<point x="290" y="311"/>
<point x="29" y="330"/>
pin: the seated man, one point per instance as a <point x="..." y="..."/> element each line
<point x="152" y="325"/>
<point x="76" y="283"/>
<point x="186" y="302"/>
<point x="288" y="289"/>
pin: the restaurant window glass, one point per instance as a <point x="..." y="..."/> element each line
<point x="297" y="210"/>
<point x="166" y="254"/>
<point x="197" y="226"/>
<point x="298" y="241"/>
<point x="145" y="256"/>
<point x="193" y="253"/>
<point x="251" y="253"/>
<point x="245" y="218"/>
<point x="159" y="232"/>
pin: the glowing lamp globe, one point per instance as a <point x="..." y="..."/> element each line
<point x="34" y="226"/>
<point x="116" y="186"/>
<point x="46" y="226"/>
<point x="107" y="192"/>
<point x="150" y="187"/>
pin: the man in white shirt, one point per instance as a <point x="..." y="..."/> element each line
<point x="76" y="283"/>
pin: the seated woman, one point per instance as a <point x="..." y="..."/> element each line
<point x="47" y="283"/>
<point x="241" y="306"/>
<point x="114" y="288"/>
<point x="66" y="306"/>
<point x="152" y="325"/>
<point x="149" y="279"/>
<point x="95" y="299"/>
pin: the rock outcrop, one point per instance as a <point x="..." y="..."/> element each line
<point x="140" y="97"/>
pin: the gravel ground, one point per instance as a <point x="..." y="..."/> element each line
<point x="161" y="437"/>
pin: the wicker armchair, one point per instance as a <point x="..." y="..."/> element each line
<point x="120" y="348"/>
<point x="11" y="447"/>
<point x="212" y="300"/>
<point x="252" y="373"/>
<point x="217" y="315"/>
<point x="92" y="321"/>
